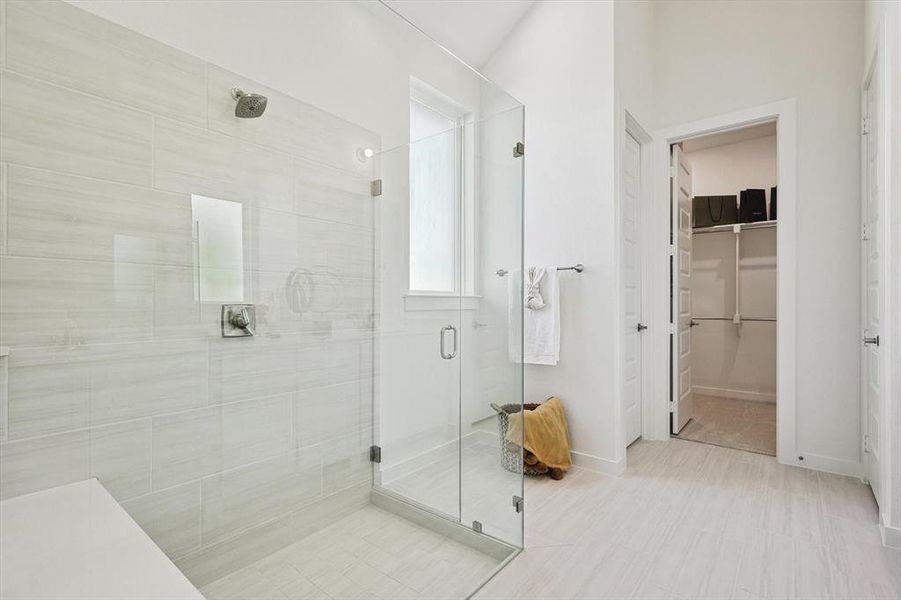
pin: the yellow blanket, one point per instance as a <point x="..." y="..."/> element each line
<point x="547" y="436"/>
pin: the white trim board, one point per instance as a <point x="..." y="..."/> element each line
<point x="784" y="114"/>
<point x="605" y="466"/>
<point x="737" y="394"/>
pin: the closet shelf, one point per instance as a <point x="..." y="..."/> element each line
<point x="730" y="227"/>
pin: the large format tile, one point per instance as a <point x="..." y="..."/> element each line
<point x="171" y="517"/>
<point x="47" y="126"/>
<point x="329" y="412"/>
<point x="289" y="125"/>
<point x="334" y="194"/>
<point x="64" y="302"/>
<point x="345" y="461"/>
<point x="202" y="442"/>
<point x="120" y="458"/>
<point x="194" y="160"/>
<point x="253" y="494"/>
<point x="45" y="462"/>
<point x="251" y="367"/>
<point x="72" y="47"/>
<point x="54" y="215"/>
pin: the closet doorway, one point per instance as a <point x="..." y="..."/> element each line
<point x="724" y="294"/>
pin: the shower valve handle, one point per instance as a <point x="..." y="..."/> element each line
<point x="241" y="319"/>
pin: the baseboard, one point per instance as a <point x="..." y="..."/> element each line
<point x="891" y="536"/>
<point x="606" y="466"/>
<point x="824" y="463"/>
<point x="738" y="394"/>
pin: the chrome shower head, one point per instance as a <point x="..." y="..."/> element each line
<point x="249" y="106"/>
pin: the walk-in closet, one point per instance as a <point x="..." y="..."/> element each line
<point x="733" y="289"/>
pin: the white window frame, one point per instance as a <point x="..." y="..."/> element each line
<point x="465" y="243"/>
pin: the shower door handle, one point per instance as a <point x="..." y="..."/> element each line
<point x="444" y="354"/>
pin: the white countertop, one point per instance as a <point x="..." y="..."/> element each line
<point x="76" y="542"/>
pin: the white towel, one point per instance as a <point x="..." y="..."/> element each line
<point x="532" y="288"/>
<point x="540" y="328"/>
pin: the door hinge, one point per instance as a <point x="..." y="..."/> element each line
<point x="518" y="503"/>
<point x="477" y="526"/>
<point x="672" y="328"/>
<point x="375" y="187"/>
<point x="865" y="126"/>
<point x="519" y="150"/>
<point x="865" y="231"/>
<point x="375" y="454"/>
<point x="671" y="250"/>
<point x="866" y="444"/>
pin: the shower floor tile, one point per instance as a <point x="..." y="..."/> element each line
<point x="732" y="423"/>
<point x="368" y="554"/>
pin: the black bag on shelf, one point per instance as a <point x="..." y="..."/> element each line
<point x="753" y="206"/>
<point x="772" y="204"/>
<point x="713" y="210"/>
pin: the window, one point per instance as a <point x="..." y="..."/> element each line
<point x="218" y="249"/>
<point x="442" y="210"/>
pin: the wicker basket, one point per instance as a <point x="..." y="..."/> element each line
<point x="511" y="454"/>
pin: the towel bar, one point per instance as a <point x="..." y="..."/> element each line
<point x="578" y="268"/>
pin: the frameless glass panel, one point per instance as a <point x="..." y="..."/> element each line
<point x="491" y="461"/>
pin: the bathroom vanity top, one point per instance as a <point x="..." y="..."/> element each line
<point x="75" y="541"/>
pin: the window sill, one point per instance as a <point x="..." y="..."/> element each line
<point x="419" y="302"/>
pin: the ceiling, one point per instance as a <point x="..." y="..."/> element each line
<point x="729" y="137"/>
<point x="471" y="29"/>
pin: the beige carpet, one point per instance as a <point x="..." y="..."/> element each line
<point x="741" y="424"/>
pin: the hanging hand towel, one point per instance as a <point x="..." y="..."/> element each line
<point x="532" y="284"/>
<point x="541" y="328"/>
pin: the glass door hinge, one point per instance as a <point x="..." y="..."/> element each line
<point x="477" y="526"/>
<point x="375" y="187"/>
<point x="865" y="126"/>
<point x="518" y="503"/>
<point x="519" y="150"/>
<point x="866" y="444"/>
<point x="375" y="454"/>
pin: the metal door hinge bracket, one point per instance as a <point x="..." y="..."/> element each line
<point x="865" y="231"/>
<point x="519" y="150"/>
<point x="671" y="250"/>
<point x="518" y="503"/>
<point x="375" y="187"/>
<point x="375" y="454"/>
<point x="866" y="443"/>
<point x="865" y="126"/>
<point x="477" y="526"/>
<point x="672" y="329"/>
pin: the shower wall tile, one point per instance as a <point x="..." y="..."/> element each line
<point x="4" y="206"/>
<point x="251" y="495"/>
<point x="64" y="302"/>
<point x="58" y="42"/>
<point x="55" y="215"/>
<point x="43" y="125"/>
<point x="202" y="442"/>
<point x="345" y="461"/>
<point x="327" y="413"/>
<point x="41" y="463"/>
<point x="171" y="517"/>
<point x="176" y="312"/>
<point x="120" y="458"/>
<point x="289" y="125"/>
<point x="49" y="391"/>
<point x="251" y="367"/>
<point x="194" y="160"/>
<point x="129" y="381"/>
<point x="313" y="517"/>
<point x="2" y="33"/>
<point x="334" y="194"/>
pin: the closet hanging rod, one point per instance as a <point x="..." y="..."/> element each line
<point x="730" y="319"/>
<point x="731" y="227"/>
<point x="578" y="268"/>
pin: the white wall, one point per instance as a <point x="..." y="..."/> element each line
<point x="559" y="63"/>
<point x="879" y="15"/>
<point x="634" y="58"/>
<point x="717" y="57"/>
<point x="728" y="359"/>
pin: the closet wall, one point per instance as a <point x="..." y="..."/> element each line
<point x="728" y="359"/>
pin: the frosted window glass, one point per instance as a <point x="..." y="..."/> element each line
<point x="433" y="200"/>
<point x="219" y="249"/>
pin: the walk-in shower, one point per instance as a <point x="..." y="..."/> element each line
<point x="274" y="341"/>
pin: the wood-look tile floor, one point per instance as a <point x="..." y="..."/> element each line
<point x="368" y="554"/>
<point x="733" y="423"/>
<point x="691" y="520"/>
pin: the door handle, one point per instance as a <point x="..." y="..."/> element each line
<point x="693" y="323"/>
<point x="871" y="341"/>
<point x="640" y="327"/>
<point x="444" y="354"/>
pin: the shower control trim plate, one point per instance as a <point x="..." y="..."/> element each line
<point x="238" y="320"/>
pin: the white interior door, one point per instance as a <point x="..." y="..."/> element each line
<point x="682" y="399"/>
<point x="872" y="294"/>
<point x="631" y="252"/>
